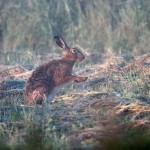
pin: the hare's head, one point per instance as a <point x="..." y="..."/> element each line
<point x="71" y="54"/>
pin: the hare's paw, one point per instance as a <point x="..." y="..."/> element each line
<point x="81" y="79"/>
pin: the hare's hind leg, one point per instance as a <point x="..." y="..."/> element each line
<point x="36" y="96"/>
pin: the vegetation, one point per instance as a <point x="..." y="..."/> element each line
<point x="110" y="111"/>
<point x="27" y="27"/>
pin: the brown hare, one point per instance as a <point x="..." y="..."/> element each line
<point x="48" y="79"/>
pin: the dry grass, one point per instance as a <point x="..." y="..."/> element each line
<point x="113" y="95"/>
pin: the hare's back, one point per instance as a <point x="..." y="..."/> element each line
<point x="44" y="71"/>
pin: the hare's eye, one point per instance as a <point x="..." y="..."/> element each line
<point x="73" y="51"/>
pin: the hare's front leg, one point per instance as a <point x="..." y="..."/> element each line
<point x="80" y="79"/>
<point x="75" y="78"/>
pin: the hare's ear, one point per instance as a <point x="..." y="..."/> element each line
<point x="60" y="42"/>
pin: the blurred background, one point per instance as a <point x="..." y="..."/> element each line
<point x="27" y="27"/>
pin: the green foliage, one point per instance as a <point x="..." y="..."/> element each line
<point x="29" y="128"/>
<point x="27" y="27"/>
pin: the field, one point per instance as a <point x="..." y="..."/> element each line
<point x="109" y="111"/>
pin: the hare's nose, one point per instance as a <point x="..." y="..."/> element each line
<point x="80" y="58"/>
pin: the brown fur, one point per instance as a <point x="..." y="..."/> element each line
<point x="52" y="74"/>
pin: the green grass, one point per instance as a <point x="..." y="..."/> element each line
<point x="27" y="28"/>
